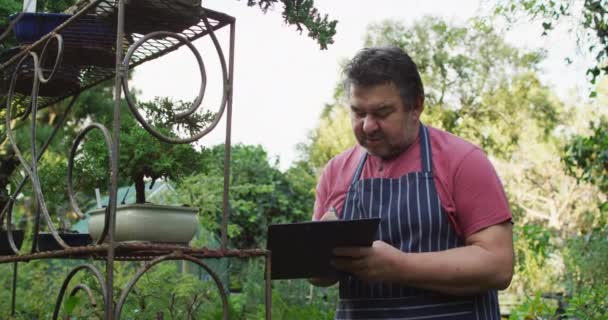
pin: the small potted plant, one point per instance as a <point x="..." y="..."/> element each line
<point x="46" y="241"/>
<point x="143" y="157"/>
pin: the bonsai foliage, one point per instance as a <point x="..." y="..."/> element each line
<point x="142" y="155"/>
<point x="304" y="15"/>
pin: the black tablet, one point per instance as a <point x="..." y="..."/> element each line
<point x="304" y="250"/>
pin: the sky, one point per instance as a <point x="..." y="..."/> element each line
<point x="283" y="80"/>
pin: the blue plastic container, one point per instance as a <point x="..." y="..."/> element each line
<point x="33" y="26"/>
<point x="88" y="40"/>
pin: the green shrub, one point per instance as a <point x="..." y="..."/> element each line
<point x="534" y="308"/>
<point x="589" y="303"/>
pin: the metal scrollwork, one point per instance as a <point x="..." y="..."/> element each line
<point x="98" y="276"/>
<point x="173" y="256"/>
<point x="58" y="57"/>
<point x="71" y="194"/>
<point x="32" y="168"/>
<point x="48" y="81"/>
<point x="8" y="208"/>
<point x="197" y="102"/>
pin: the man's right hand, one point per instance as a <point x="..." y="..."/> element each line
<point x="325" y="282"/>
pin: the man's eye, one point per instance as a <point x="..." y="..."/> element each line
<point x="384" y="114"/>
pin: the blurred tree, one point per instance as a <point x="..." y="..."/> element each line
<point x="477" y="86"/>
<point x="260" y="194"/>
<point x="585" y="155"/>
<point x="586" y="19"/>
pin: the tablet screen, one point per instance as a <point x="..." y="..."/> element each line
<point x="304" y="250"/>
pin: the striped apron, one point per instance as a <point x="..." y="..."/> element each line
<point x="412" y="220"/>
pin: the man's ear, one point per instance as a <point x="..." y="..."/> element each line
<point x="418" y="107"/>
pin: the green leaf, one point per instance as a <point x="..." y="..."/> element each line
<point x="71" y="303"/>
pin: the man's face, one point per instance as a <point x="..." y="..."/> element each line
<point x="382" y="124"/>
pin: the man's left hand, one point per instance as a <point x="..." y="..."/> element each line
<point x="375" y="263"/>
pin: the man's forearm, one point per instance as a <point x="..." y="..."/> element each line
<point x="460" y="271"/>
<point x="485" y="262"/>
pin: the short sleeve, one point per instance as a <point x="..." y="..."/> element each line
<point x="479" y="197"/>
<point x="321" y="195"/>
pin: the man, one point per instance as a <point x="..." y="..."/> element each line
<point x="444" y="245"/>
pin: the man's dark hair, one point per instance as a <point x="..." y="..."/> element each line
<point x="382" y="65"/>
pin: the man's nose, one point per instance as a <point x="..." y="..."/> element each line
<point x="370" y="124"/>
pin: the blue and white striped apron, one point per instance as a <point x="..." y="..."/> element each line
<point x="413" y="221"/>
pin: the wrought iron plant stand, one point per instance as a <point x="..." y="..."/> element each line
<point x="134" y="41"/>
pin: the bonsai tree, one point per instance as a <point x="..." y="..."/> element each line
<point x="141" y="154"/>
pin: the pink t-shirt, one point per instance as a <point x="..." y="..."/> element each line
<point x="469" y="188"/>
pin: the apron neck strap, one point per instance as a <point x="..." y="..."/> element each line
<point x="425" y="149"/>
<point x="357" y="174"/>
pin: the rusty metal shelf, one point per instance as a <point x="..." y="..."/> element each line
<point x="91" y="54"/>
<point x="81" y="53"/>
<point x="135" y="251"/>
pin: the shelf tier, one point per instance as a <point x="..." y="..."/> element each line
<point x="135" y="251"/>
<point x="89" y="57"/>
